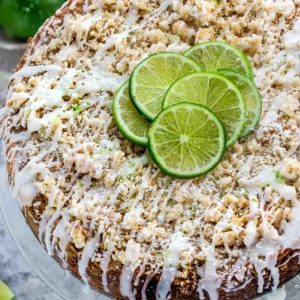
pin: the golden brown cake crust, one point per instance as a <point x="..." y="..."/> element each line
<point x="181" y="289"/>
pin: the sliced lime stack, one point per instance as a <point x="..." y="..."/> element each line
<point x="186" y="140"/>
<point x="212" y="56"/>
<point x="215" y="92"/>
<point x="153" y="76"/>
<point x="251" y="95"/>
<point x="200" y="103"/>
<point x="131" y="124"/>
<point x="5" y="292"/>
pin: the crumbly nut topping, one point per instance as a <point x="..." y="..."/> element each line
<point x="61" y="141"/>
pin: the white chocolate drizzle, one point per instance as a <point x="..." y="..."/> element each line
<point x="126" y="282"/>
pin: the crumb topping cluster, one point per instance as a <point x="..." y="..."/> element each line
<point x="61" y="142"/>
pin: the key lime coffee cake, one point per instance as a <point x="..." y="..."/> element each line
<point x="103" y="206"/>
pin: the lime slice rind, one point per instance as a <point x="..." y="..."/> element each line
<point x="252" y="98"/>
<point x="5" y="292"/>
<point x="215" y="92"/>
<point x="152" y="77"/>
<point x="215" y="55"/>
<point x="130" y="123"/>
<point x="186" y="140"/>
<point x="200" y="103"/>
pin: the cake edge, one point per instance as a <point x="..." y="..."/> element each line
<point x="288" y="260"/>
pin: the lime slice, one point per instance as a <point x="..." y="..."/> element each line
<point x="5" y="292"/>
<point x="186" y="140"/>
<point x="251" y="95"/>
<point x="153" y="76"/>
<point x="215" y="92"/>
<point x="212" y="56"/>
<point x="131" y="124"/>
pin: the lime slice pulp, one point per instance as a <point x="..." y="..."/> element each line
<point x="186" y="140"/>
<point x="212" y="56"/>
<point x="251" y="95"/>
<point x="5" y="292"/>
<point x="131" y="124"/>
<point x="215" y="92"/>
<point x="153" y="76"/>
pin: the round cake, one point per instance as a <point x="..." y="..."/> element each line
<point x="98" y="203"/>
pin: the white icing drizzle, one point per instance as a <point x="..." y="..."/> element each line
<point x="104" y="267"/>
<point x="48" y="229"/>
<point x="139" y="274"/>
<point x="28" y="71"/>
<point x="279" y="294"/>
<point x="24" y="188"/>
<point x="177" y="245"/>
<point x="144" y="185"/>
<point x="166" y="279"/>
<point x="87" y="254"/>
<point x="210" y="281"/>
<point x="145" y="285"/>
<point x="270" y="246"/>
<point x="126" y="279"/>
<point x="292" y="38"/>
<point x="62" y="235"/>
